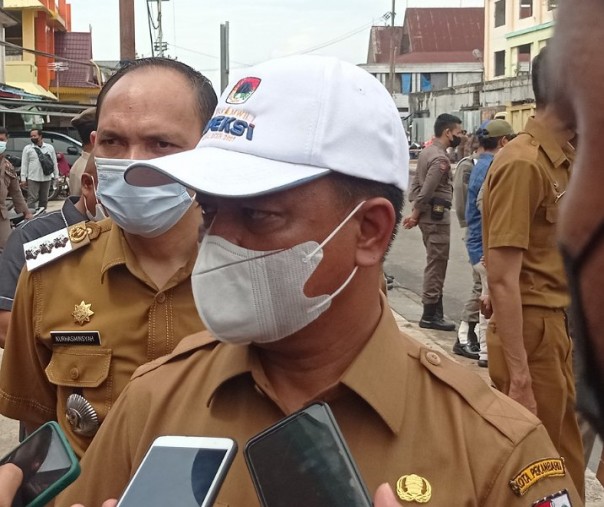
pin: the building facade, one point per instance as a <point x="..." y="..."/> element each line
<point x="515" y="31"/>
<point x="434" y="49"/>
<point x="39" y="20"/>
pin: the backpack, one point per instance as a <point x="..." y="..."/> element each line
<point x="48" y="166"/>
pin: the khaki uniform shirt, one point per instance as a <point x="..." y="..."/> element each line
<point x="9" y="187"/>
<point x="136" y="322"/>
<point x="432" y="179"/>
<point x="461" y="181"/>
<point x="520" y="209"/>
<point x="403" y="409"/>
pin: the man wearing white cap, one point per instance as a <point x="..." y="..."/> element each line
<point x="301" y="174"/>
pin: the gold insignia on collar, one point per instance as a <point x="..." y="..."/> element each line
<point x="82" y="313"/>
<point x="77" y="233"/>
<point x="413" y="488"/>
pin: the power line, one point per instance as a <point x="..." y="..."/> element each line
<point x="208" y="55"/>
<point x="52" y="55"/>
<point x="331" y="42"/>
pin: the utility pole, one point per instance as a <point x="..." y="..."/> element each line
<point x="160" y="31"/>
<point x="127" y="47"/>
<point x="224" y="55"/>
<point x="393" y="50"/>
<point x="159" y="46"/>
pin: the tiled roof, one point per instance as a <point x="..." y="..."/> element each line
<point x="430" y="35"/>
<point x="76" y="46"/>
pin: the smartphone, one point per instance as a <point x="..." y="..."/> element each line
<point x="180" y="471"/>
<point x="303" y="461"/>
<point x="48" y="463"/>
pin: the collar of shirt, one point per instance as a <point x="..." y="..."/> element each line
<point x="378" y="374"/>
<point x="70" y="213"/>
<point x="118" y="253"/>
<point x="556" y="147"/>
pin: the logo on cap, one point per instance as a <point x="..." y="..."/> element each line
<point x="243" y="90"/>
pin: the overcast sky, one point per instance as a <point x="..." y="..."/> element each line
<point x="259" y="29"/>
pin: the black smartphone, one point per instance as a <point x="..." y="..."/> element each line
<point x="48" y="463"/>
<point x="180" y="471"/>
<point x="303" y="461"/>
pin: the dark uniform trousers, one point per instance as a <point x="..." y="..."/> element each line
<point x="549" y="352"/>
<point x="436" y="240"/>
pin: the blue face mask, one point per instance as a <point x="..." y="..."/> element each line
<point x="2" y="147"/>
<point x="142" y="211"/>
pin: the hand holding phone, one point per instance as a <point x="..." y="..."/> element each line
<point x="303" y="461"/>
<point x="47" y="463"/>
<point x="180" y="471"/>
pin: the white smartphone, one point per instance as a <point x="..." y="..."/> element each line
<point x="183" y="471"/>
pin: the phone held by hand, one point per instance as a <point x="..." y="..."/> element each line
<point x="303" y="461"/>
<point x="180" y="471"/>
<point x="48" y="463"/>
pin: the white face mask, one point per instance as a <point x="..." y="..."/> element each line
<point x="2" y="147"/>
<point x="249" y="296"/>
<point x="143" y="211"/>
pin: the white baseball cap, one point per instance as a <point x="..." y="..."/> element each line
<point x="288" y="121"/>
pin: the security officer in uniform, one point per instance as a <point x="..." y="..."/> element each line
<point x="82" y="324"/>
<point x="431" y="193"/>
<point x="530" y="350"/>
<point x="295" y="242"/>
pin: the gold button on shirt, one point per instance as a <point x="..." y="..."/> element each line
<point x="406" y="412"/>
<point x="134" y="320"/>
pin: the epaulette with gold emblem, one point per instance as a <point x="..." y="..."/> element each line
<point x="57" y="244"/>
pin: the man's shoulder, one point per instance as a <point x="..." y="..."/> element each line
<point x="183" y="352"/>
<point x="41" y="225"/>
<point x="520" y="153"/>
<point x="475" y="399"/>
<point x="81" y="258"/>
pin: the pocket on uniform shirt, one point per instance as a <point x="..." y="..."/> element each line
<point x="551" y="213"/>
<point x="78" y="366"/>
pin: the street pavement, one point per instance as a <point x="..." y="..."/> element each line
<point x="406" y="263"/>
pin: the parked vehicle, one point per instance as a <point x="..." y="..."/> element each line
<point x="70" y="147"/>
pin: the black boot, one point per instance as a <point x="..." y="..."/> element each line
<point x="431" y="319"/>
<point x="473" y="344"/>
<point x="445" y="325"/>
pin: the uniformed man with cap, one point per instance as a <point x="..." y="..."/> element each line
<point x="530" y="350"/>
<point x="85" y="124"/>
<point x="121" y="296"/>
<point x="431" y="193"/>
<point x="298" y="222"/>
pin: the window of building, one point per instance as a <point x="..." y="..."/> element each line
<point x="526" y="8"/>
<point x="552" y="4"/>
<point x="523" y="62"/>
<point x="440" y="80"/>
<point x="425" y="82"/>
<point x="499" y="13"/>
<point x="500" y="63"/>
<point x="406" y="83"/>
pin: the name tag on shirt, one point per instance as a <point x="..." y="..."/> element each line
<point x="75" y="337"/>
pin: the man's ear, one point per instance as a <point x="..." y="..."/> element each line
<point x="377" y="219"/>
<point x="93" y="137"/>
<point x="87" y="183"/>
